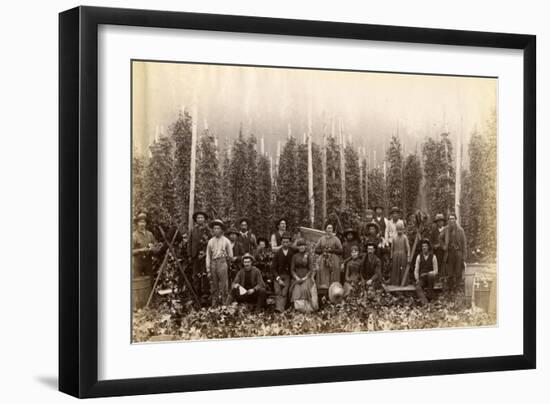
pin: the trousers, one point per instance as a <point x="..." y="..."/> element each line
<point x="220" y="284"/>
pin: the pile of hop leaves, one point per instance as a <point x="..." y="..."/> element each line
<point x="364" y="310"/>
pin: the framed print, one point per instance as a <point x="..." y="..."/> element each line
<point x="251" y="201"/>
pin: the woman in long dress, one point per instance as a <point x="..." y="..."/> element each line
<point x="330" y="249"/>
<point x="303" y="292"/>
<point x="400" y="255"/>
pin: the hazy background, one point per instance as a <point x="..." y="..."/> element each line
<point x="267" y="101"/>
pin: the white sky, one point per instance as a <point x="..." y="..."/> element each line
<point x="372" y="106"/>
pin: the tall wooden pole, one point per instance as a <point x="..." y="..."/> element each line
<point x="262" y="146"/>
<point x="195" y="116"/>
<point x="324" y="176"/>
<point x="458" y="175"/>
<point x="366" y="182"/>
<point x="342" y="169"/>
<point x="361" y="195"/>
<point x="311" y="197"/>
<point x="278" y="157"/>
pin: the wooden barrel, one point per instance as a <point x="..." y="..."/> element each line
<point x="141" y="287"/>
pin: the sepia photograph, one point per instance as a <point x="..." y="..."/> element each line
<point x="283" y="201"/>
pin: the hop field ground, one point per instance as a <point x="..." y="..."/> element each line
<point x="362" y="311"/>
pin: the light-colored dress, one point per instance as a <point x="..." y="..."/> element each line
<point x="330" y="249"/>
<point x="400" y="251"/>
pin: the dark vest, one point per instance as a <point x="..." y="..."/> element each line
<point x="278" y="238"/>
<point x="369" y="268"/>
<point x="281" y="262"/>
<point x="426" y="265"/>
<point x="382" y="224"/>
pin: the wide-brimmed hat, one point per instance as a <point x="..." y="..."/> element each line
<point x="300" y="242"/>
<point x="439" y="217"/>
<point x="286" y="235"/>
<point x="373" y="224"/>
<point x="369" y="212"/>
<point x="141" y="216"/>
<point x="244" y="219"/>
<point x="200" y="212"/>
<point x="377" y="206"/>
<point x="217" y="222"/>
<point x="247" y="255"/>
<point x="371" y="243"/>
<point x="426" y="241"/>
<point x="278" y="222"/>
<point x="400" y="226"/>
<point x="395" y="209"/>
<point x="350" y="230"/>
<point x="266" y="241"/>
<point x="232" y="230"/>
<point x="335" y="292"/>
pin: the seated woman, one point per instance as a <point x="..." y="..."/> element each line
<point x="352" y="270"/>
<point x="303" y="292"/>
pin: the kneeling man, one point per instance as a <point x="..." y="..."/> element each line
<point x="425" y="271"/>
<point x="248" y="285"/>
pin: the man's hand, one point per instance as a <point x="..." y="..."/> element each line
<point x="281" y="282"/>
<point x="369" y="282"/>
<point x="249" y="291"/>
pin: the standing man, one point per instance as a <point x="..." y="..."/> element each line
<point x="435" y="239"/>
<point x="248" y="285"/>
<point x="381" y="221"/>
<point x="277" y="237"/>
<point x="384" y="250"/>
<point x="247" y="239"/>
<point x="196" y="251"/>
<point x="238" y="251"/>
<point x="144" y="246"/>
<point x="280" y="272"/>
<point x="454" y="247"/>
<point x="371" y="270"/>
<point x="218" y="252"/>
<point x="425" y="271"/>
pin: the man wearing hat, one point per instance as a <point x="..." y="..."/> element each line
<point x="144" y="246"/>
<point x="371" y="270"/>
<point x="263" y="258"/>
<point x="238" y="251"/>
<point x="280" y="272"/>
<point x="218" y="252"/>
<point x="247" y="239"/>
<point x="454" y="248"/>
<point x="382" y="224"/>
<point x="436" y="238"/>
<point x="425" y="271"/>
<point x="248" y="285"/>
<point x="196" y="250"/>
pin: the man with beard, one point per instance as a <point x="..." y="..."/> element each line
<point x="277" y="237"/>
<point x="425" y="271"/>
<point x="144" y="246"/>
<point x="247" y="239"/>
<point x="454" y="247"/>
<point x="280" y="269"/>
<point x="196" y="251"/>
<point x="435" y="238"/>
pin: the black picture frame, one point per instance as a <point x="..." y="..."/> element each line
<point x="78" y="200"/>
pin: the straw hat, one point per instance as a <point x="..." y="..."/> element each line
<point x="335" y="292"/>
